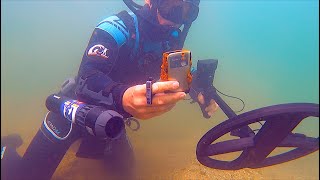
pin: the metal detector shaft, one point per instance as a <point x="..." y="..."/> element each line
<point x="211" y="93"/>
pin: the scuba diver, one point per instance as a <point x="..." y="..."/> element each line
<point x="124" y="51"/>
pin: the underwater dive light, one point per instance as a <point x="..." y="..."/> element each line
<point x="97" y="120"/>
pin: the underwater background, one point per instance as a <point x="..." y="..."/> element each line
<point x="268" y="54"/>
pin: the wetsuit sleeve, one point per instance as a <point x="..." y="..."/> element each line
<point x="94" y="84"/>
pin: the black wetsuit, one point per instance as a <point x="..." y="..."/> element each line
<point x="124" y="50"/>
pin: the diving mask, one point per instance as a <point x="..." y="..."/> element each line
<point x="179" y="11"/>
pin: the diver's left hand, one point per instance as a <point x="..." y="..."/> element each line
<point x="211" y="108"/>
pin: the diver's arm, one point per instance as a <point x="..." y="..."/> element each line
<point x="94" y="84"/>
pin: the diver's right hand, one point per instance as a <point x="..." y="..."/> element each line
<point x="135" y="103"/>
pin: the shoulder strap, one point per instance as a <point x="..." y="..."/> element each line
<point x="116" y="28"/>
<point x="131" y="21"/>
<point x="123" y="27"/>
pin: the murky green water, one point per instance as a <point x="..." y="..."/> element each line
<point x="268" y="54"/>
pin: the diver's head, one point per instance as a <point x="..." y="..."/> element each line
<point x="175" y="12"/>
<point x="167" y="15"/>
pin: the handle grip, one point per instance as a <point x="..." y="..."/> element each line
<point x="207" y="98"/>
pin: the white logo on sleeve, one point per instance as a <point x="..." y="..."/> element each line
<point x="98" y="50"/>
<point x="2" y="151"/>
